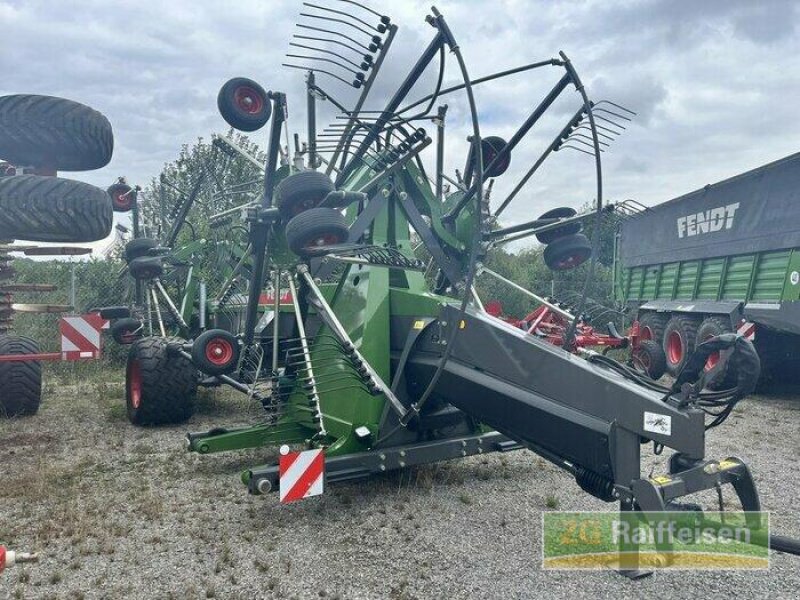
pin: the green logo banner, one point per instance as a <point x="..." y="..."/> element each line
<point x="656" y="540"/>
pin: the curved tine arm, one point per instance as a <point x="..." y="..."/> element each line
<point x="343" y="13"/>
<point x="607" y="120"/>
<point x="331" y="52"/>
<point x="367" y="8"/>
<point x="321" y="59"/>
<point x="611" y="112"/>
<point x="342" y="21"/>
<point x="324" y="72"/>
<point x="339" y="33"/>
<point x="619" y="106"/>
<point x="580" y="141"/>
<point x="587" y="128"/>
<point x="578" y="149"/>
<point x="583" y="135"/>
<point x="610" y="131"/>
<point x="329" y="41"/>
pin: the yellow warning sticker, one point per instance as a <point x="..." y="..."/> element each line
<point x="419" y="324"/>
<point x="462" y="325"/>
<point x="661" y="479"/>
<point x="727" y="464"/>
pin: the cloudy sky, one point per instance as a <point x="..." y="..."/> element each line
<point x="714" y="82"/>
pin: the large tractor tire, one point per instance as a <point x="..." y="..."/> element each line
<point x="45" y="131"/>
<point x="709" y="328"/>
<point x="651" y="326"/>
<point x="20" y="382"/>
<point x="160" y="386"/>
<point x="51" y="209"/>
<point x="301" y="191"/>
<point x="680" y="337"/>
<point x="648" y="357"/>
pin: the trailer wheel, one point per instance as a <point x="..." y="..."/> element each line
<point x="45" y="131"/>
<point x="315" y="227"/>
<point x="649" y="358"/>
<point x="126" y="331"/>
<point x="244" y="104"/>
<point x="651" y="326"/>
<point x="216" y="352"/>
<point x="51" y="209"/>
<point x="567" y="252"/>
<point x="709" y="328"/>
<point x="20" y="382"/>
<point x="548" y="237"/>
<point x="680" y="336"/>
<point x="122" y="197"/>
<point x="160" y="386"/>
<point x="301" y="191"/>
<point x="139" y="247"/>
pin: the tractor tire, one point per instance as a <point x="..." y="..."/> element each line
<point x="160" y="387"/>
<point x="127" y="331"/>
<point x="139" y="247"/>
<point x="45" y="131"/>
<point x="146" y="268"/>
<point x="651" y="326"/>
<point x="680" y="337"/>
<point x="313" y="228"/>
<point x="567" y="252"/>
<point x="548" y="237"/>
<point x="20" y="382"/>
<point x="244" y="104"/>
<point x="300" y="192"/>
<point x="123" y="198"/>
<point x="712" y="327"/>
<point x="649" y="358"/>
<point x="51" y="209"/>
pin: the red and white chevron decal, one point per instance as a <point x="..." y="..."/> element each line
<point x="80" y="336"/>
<point x="747" y="329"/>
<point x="301" y="474"/>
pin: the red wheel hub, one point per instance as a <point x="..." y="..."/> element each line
<point x="713" y="359"/>
<point x="570" y="261"/>
<point x="135" y="383"/>
<point x="674" y="348"/>
<point x="248" y="100"/>
<point x="326" y="239"/>
<point x="219" y="352"/>
<point x="123" y="200"/>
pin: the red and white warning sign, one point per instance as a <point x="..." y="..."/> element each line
<point x="80" y="336"/>
<point x="301" y="474"/>
<point x="747" y="329"/>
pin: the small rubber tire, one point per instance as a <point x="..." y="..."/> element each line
<point x="160" y="386"/>
<point x="301" y="191"/>
<point x="139" y="247"/>
<point x="315" y="227"/>
<point x="50" y="209"/>
<point x="112" y="312"/>
<point x="20" y="382"/>
<point x="680" y="336"/>
<point x="46" y="131"/>
<point x="709" y="328"/>
<point x="567" y="252"/>
<point x="490" y="148"/>
<point x="651" y="326"/>
<point x="216" y="352"/>
<point x="244" y="104"/>
<point x="649" y="358"/>
<point x="126" y="331"/>
<point x="146" y="268"/>
<point x="548" y="237"/>
<point x="123" y="198"/>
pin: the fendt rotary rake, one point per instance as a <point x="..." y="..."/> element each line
<point x="364" y="354"/>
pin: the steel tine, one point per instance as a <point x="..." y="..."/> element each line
<point x="619" y="106"/>
<point x="339" y="33"/>
<point x="324" y="72"/>
<point x="583" y="135"/>
<point x="331" y="52"/>
<point x="607" y="120"/>
<point x="330" y="41"/>
<point x="578" y="149"/>
<point x="380" y="29"/>
<point x="333" y="20"/>
<point x="384" y="19"/>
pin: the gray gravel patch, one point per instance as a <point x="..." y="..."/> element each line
<point x="121" y="512"/>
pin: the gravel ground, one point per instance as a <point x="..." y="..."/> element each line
<point x="120" y="512"/>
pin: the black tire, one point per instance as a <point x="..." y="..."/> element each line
<point x="45" y="131"/>
<point x="113" y="312"/>
<point x="167" y="383"/>
<point x="313" y="228"/>
<point x="567" y="252"/>
<point x="490" y="148"/>
<point x="244" y="104"/>
<point x="712" y="327"/>
<point x="680" y="337"/>
<point x="139" y="247"/>
<point x="20" y="382"/>
<point x="649" y="358"/>
<point x="548" y="237"/>
<point x="126" y="331"/>
<point x="216" y="352"/>
<point x="146" y="267"/>
<point x="651" y="326"/>
<point x="301" y="191"/>
<point x="51" y="209"/>
<point x="123" y="198"/>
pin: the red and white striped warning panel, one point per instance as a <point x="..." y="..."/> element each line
<point x="747" y="329"/>
<point x="80" y="336"/>
<point x="301" y="474"/>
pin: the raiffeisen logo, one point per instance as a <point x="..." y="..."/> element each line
<point x="708" y="221"/>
